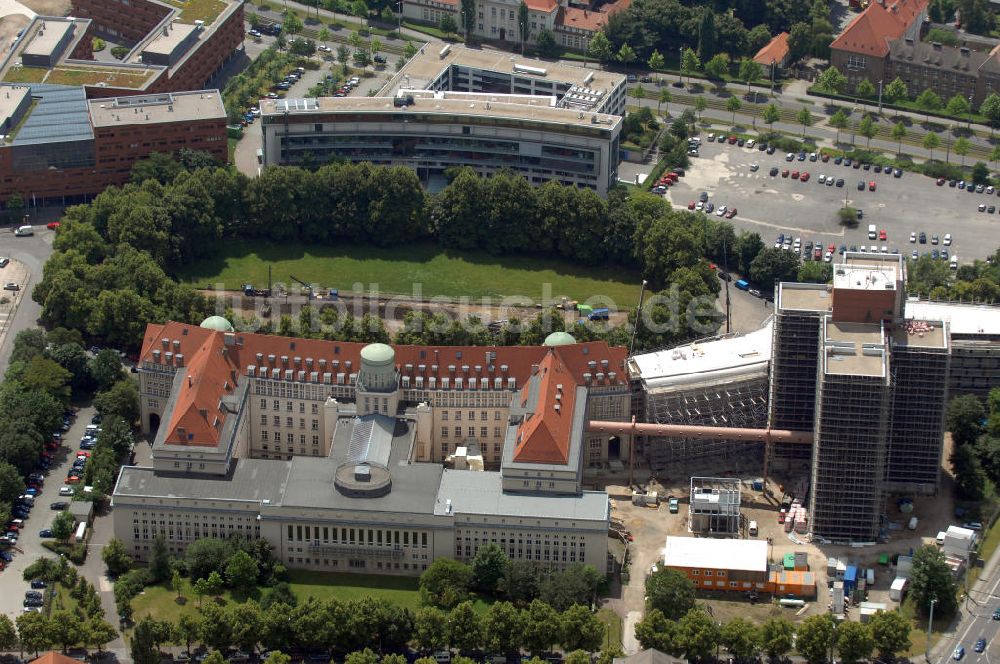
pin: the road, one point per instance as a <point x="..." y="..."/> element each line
<point x="32" y="252"/>
<point x="976" y="620"/>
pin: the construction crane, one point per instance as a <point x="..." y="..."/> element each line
<point x="306" y="287"/>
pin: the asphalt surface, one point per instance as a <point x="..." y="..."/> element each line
<point x="32" y="252"/>
<point x="771" y="205"/>
<point x="975" y="620"/>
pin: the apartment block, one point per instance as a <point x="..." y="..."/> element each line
<point x="572" y="24"/>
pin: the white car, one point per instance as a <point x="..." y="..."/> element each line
<point x="754" y="166"/>
<point x="4" y="261"/>
<point x="885" y="248"/>
<point x="828" y="257"/>
<point x="721" y="210"/>
<point x="11" y="286"/>
<point x="65" y="491"/>
<point x="947" y="239"/>
<point x="699" y="206"/>
<point x="751" y="143"/>
<point x="821" y="179"/>
<point x="873" y="249"/>
<point x="913" y="238"/>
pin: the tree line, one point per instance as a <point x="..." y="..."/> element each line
<point x="74" y="619"/>
<point x="674" y="624"/>
<point x="978" y="281"/>
<point x="975" y="434"/>
<point x="110" y="272"/>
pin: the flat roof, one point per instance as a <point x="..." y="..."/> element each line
<point x="706" y="553"/>
<point x="157" y="108"/>
<point x="856" y="349"/>
<point x="253" y="480"/>
<point x="414" y="485"/>
<point x="961" y="318"/>
<point x="479" y="492"/>
<point x="861" y="275"/>
<point x="804" y="297"/>
<point x="50" y="32"/>
<point x="11" y="97"/>
<point x="423" y="68"/>
<point x="480" y="105"/>
<point x="164" y="44"/>
<point x="742" y="353"/>
<point x="921" y="334"/>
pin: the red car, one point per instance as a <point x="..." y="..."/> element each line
<point x="730" y="213"/>
<point x="871" y="186"/>
<point x="732" y="140"/>
<point x="52" y="225"/>
<point x="940" y="182"/>
<point x="882" y="234"/>
<point x="691" y="205"/>
<point x="818" y="253"/>
<point x="831" y="247"/>
<point x="784" y="173"/>
<point x="795" y="175"/>
<point x="825" y="158"/>
<point x="804" y="177"/>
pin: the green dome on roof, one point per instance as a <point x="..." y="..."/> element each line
<point x="559" y="339"/>
<point x="378" y="354"/>
<point x="217" y="323"/>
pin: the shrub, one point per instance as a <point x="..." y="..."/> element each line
<point x="98" y="44"/>
<point x="119" y="52"/>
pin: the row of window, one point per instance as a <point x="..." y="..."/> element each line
<point x="484" y="432"/>
<point x="314" y="407"/>
<point x="357" y="536"/>
<point x="483" y="416"/>
<point x="290" y="422"/>
<point x="289" y="438"/>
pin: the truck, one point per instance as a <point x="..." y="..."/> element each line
<point x="250" y="291"/>
<point x="742" y="284"/>
<point x="81" y="531"/>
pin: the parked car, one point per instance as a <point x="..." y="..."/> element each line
<point x="958" y="654"/>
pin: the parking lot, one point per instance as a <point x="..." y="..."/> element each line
<point x="770" y="205"/>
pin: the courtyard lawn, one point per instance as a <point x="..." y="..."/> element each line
<point x="162" y="602"/>
<point x="395" y="270"/>
<point x="400" y="590"/>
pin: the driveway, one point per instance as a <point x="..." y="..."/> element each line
<point x="31" y="253"/>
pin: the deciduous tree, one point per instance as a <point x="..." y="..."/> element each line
<point x="813" y="638"/>
<point x="445" y="583"/>
<point x="777" y="636"/>
<point x="890" y="634"/>
<point x="671" y="592"/>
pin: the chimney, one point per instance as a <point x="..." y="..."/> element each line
<point x="165" y="342"/>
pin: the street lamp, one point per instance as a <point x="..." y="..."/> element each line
<point x="523" y="29"/>
<point x="680" y="63"/>
<point x="772" y="76"/>
<point x="930" y="621"/>
<point x="880" y="97"/>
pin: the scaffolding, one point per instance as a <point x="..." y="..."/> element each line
<point x="715" y="506"/>
<point x="919" y="368"/>
<point x="739" y="403"/>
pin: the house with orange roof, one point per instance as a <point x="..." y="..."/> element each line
<point x="775" y="53"/>
<point x="861" y="50"/>
<point x="326" y="449"/>
<point x="572" y="24"/>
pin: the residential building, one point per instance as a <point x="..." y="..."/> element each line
<point x="572" y="24"/>
<point x="861" y="50"/>
<point x="775" y="53"/>
<point x="464" y="107"/>
<point x="947" y="70"/>
<point x="61" y="148"/>
<point x="333" y="451"/>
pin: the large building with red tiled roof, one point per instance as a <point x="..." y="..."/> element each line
<point x="572" y="23"/>
<point x="774" y="53"/>
<point x="304" y="441"/>
<point x="861" y="50"/>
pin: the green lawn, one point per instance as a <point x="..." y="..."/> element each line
<point x="400" y="590"/>
<point x="613" y="638"/>
<point x="397" y="269"/>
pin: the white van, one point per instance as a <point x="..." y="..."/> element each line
<point x="753" y="529"/>
<point x="24" y="231"/>
<point x="912" y="525"/>
<point x="872" y="232"/>
<point x="954" y="262"/>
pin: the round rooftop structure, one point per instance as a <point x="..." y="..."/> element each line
<point x="559" y="339"/>
<point x="378" y="355"/>
<point x="217" y="323"/>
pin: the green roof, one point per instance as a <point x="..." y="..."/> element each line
<point x="559" y="339"/>
<point x="217" y="323"/>
<point x="378" y="354"/>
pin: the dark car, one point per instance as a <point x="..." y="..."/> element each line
<point x="724" y="276"/>
<point x="996" y="615"/>
<point x="923" y="238"/>
<point x="952" y="183"/>
<point x="878" y="168"/>
<point x="840" y="182"/>
<point x="38" y="584"/>
<point x="847" y="161"/>
<point x="861" y="185"/>
<point x="802" y="156"/>
<point x="6" y="556"/>
<point x="897" y="173"/>
<point x="774" y="172"/>
<point x="838" y="160"/>
<point x="379" y="59"/>
<point x="980" y="645"/>
<point x="770" y="149"/>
